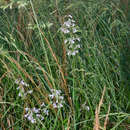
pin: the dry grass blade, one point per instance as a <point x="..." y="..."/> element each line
<point x="9" y="123"/>
<point x="101" y="101"/>
<point x="1" y="98"/>
<point x="68" y="124"/>
<point x="3" y="76"/>
<point x="96" y="121"/>
<point x="106" y="119"/>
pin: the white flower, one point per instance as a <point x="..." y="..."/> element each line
<point x="43" y="104"/>
<point x="38" y="115"/>
<point x="23" y="83"/>
<point x="51" y="96"/>
<point x="72" y="24"/>
<point x="65" y="41"/>
<point x="60" y="105"/>
<point x="30" y="117"/>
<point x="46" y="111"/>
<point x="69" y="16"/>
<point x="64" y="30"/>
<point x="42" y="118"/>
<point x="75" y="30"/>
<point x="27" y="109"/>
<point x="71" y="40"/>
<point x="67" y="23"/>
<point x="78" y="39"/>
<point x="26" y="115"/>
<point x="20" y="94"/>
<point x="30" y="91"/>
<point x="73" y="53"/>
<point x="35" y="110"/>
<point x="33" y="121"/>
<point x="18" y="87"/>
<point x="69" y="53"/>
<point x="58" y="92"/>
<point x="87" y="107"/>
<point x="54" y="105"/>
<point x="61" y="97"/>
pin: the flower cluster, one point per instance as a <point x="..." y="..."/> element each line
<point x="56" y="99"/>
<point x="71" y="42"/>
<point x="21" y="89"/>
<point x="34" y="114"/>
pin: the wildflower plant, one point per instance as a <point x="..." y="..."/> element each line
<point x="72" y="40"/>
<point x="56" y="99"/>
<point x="34" y="114"/>
<point x="21" y="84"/>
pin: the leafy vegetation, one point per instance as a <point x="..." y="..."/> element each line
<point x="64" y="65"/>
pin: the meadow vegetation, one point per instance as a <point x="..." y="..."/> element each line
<point x="64" y="65"/>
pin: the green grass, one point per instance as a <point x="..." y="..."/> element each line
<point x="32" y="48"/>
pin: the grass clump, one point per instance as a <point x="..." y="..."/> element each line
<point x="61" y="65"/>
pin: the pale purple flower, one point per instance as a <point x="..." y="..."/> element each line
<point x="35" y="110"/>
<point x="20" y="94"/>
<point x="54" y="105"/>
<point x="42" y="118"/>
<point x="58" y="92"/>
<point x="38" y="115"/>
<point x="60" y="105"/>
<point x="18" y="87"/>
<point x="67" y="24"/>
<point x="17" y="81"/>
<point x="33" y="121"/>
<point x="74" y="30"/>
<point x="27" y="109"/>
<point x="64" y="30"/>
<point x="24" y="83"/>
<point x="71" y="40"/>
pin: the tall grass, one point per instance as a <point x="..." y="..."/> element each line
<point x="36" y="68"/>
